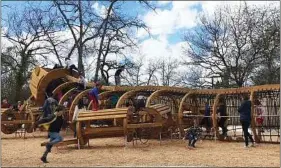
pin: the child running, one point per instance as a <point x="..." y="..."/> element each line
<point x="53" y="132"/>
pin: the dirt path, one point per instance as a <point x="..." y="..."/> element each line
<point x="111" y="152"/>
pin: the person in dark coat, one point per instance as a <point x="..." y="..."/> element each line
<point x="53" y="133"/>
<point x="223" y="116"/>
<point x="49" y="105"/>
<point x="245" y="119"/>
<point x="206" y="121"/>
<point x="117" y="75"/>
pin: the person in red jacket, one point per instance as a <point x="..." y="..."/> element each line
<point x="94" y="96"/>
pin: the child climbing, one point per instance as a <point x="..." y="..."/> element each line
<point x="94" y="96"/>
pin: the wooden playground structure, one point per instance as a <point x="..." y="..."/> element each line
<point x="168" y="110"/>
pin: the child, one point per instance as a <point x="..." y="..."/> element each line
<point x="53" y="133"/>
<point x="259" y="116"/>
<point x="193" y="134"/>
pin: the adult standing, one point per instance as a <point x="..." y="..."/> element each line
<point x="245" y="119"/>
<point x="117" y="75"/>
<point x="223" y="116"/>
<point x="206" y="120"/>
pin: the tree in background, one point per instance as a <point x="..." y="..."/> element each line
<point x="25" y="36"/>
<point x="268" y="71"/>
<point x="229" y="42"/>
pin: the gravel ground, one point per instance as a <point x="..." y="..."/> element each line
<point x="21" y="152"/>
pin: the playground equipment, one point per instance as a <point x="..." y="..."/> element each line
<point x="175" y="108"/>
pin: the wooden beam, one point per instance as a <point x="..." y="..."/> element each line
<point x="144" y="125"/>
<point x="102" y="117"/>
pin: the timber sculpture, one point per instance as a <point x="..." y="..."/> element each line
<point x="166" y="108"/>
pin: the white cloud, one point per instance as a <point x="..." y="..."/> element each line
<point x="165" y="21"/>
<point x="163" y="3"/>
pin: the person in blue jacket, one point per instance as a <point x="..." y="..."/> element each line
<point x="245" y="119"/>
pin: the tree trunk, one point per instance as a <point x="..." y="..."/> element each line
<point x="101" y="43"/>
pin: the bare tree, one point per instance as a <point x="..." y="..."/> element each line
<point x="24" y="33"/>
<point x="83" y="22"/>
<point x="134" y="74"/>
<point x="151" y="70"/>
<point x="117" y="34"/>
<point x="167" y="71"/>
<point x="227" y="42"/>
<point x="268" y="31"/>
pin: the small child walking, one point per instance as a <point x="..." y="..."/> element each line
<point x="192" y="135"/>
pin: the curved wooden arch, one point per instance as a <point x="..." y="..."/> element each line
<point x="44" y="82"/>
<point x="65" y="96"/>
<point x="152" y="96"/>
<point x="124" y="97"/>
<point x="129" y="94"/>
<point x="180" y="112"/>
<point x="62" y="86"/>
<point x="75" y="102"/>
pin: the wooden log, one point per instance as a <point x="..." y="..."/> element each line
<point x="165" y="111"/>
<point x="104" y="110"/>
<point x="102" y="130"/>
<point x="100" y="114"/>
<point x="102" y="117"/>
<point x="106" y="135"/>
<point x="144" y="125"/>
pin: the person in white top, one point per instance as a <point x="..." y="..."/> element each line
<point x="82" y="84"/>
<point x="70" y="66"/>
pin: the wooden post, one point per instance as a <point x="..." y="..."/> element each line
<point x="125" y="130"/>
<point x="79" y="134"/>
<point x="214" y="115"/>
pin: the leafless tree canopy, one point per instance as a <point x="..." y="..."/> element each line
<point x="231" y="42"/>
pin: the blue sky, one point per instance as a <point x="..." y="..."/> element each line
<point x="130" y="8"/>
<point x="167" y="24"/>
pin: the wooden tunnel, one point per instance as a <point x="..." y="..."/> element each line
<point x="176" y="106"/>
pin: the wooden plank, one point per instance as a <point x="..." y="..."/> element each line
<point x="163" y="108"/>
<point x="144" y="125"/>
<point x="17" y="122"/>
<point x="165" y="111"/>
<point x="102" y="117"/>
<point x="106" y="135"/>
<point x="100" y="114"/>
<point x="156" y="106"/>
<point x="100" y="130"/>
<point x="63" y="143"/>
<point x="105" y="110"/>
